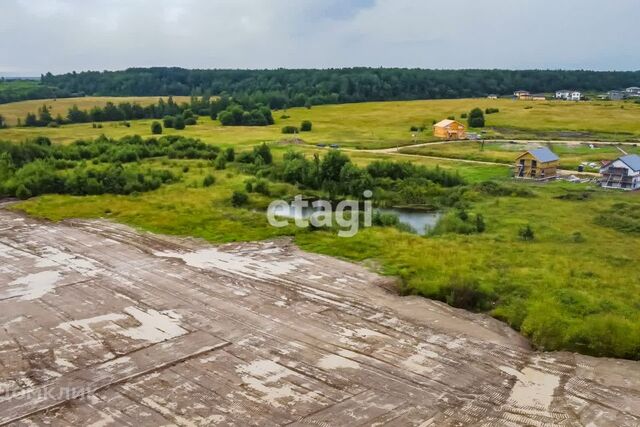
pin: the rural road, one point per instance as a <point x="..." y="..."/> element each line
<point x="104" y="325"/>
<point x="398" y="152"/>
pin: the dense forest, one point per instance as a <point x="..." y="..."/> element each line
<point x="287" y="88"/>
<point x="21" y="90"/>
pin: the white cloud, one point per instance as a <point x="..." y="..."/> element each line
<point x="63" y="35"/>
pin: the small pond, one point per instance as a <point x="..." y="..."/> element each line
<point x="419" y="220"/>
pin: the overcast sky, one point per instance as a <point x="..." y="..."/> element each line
<point x="37" y="36"/>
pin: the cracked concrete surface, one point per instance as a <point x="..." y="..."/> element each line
<point x="103" y="325"/>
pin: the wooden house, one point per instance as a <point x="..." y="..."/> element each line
<point x="623" y="173"/>
<point x="539" y="164"/>
<point x="449" y="129"/>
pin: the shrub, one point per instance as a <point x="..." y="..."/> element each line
<point x="239" y="198"/>
<point x="179" y="123"/>
<point x="168" y="121"/>
<point x="463" y="115"/>
<point x="494" y="188"/>
<point x="466" y="293"/>
<point x="476" y="118"/>
<point x="526" y="233"/>
<point x="289" y="129"/>
<point x="306" y="126"/>
<point x="230" y="154"/>
<point x="261" y="186"/>
<point x="413" y="128"/>
<point x="221" y="163"/>
<point x="491" y="111"/>
<point x="23" y="192"/>
<point x="284" y="117"/>
<point x="156" y="128"/>
<point x="190" y="121"/>
<point x="208" y="181"/>
<point x="264" y="152"/>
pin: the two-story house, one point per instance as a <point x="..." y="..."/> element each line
<point x="623" y="173"/>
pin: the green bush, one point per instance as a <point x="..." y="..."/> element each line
<point x="466" y="293"/>
<point x="190" y="121"/>
<point x="476" y="118"/>
<point x="230" y="154"/>
<point x="156" y="128"/>
<point x="221" y="163"/>
<point x="262" y="187"/>
<point x="526" y="233"/>
<point x="289" y="129"/>
<point x="23" y="192"/>
<point x="239" y="198"/>
<point x="168" y="121"/>
<point x="179" y="123"/>
<point x="208" y="181"/>
<point x="306" y="126"/>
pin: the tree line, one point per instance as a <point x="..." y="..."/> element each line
<point x="229" y="111"/>
<point x="283" y="88"/>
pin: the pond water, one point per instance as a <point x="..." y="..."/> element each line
<point x="419" y="220"/>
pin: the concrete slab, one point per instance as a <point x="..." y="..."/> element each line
<point x="103" y="325"/>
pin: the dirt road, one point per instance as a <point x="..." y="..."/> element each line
<point x="102" y="325"/>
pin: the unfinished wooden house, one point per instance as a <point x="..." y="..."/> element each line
<point x="623" y="173"/>
<point x="538" y="164"/>
<point x="449" y="129"/>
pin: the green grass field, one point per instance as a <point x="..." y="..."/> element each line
<point x="373" y="124"/>
<point x="571" y="155"/>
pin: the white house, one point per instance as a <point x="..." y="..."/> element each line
<point x="569" y="95"/>
<point x="623" y="173"/>
<point x="633" y="91"/>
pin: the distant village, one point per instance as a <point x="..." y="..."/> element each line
<point x="573" y="95"/>
<point x="542" y="164"/>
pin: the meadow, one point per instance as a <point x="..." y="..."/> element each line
<point x="574" y="286"/>
<point x="369" y="125"/>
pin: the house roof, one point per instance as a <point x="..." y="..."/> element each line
<point x="444" y="123"/>
<point x="631" y="160"/>
<point x="543" y="154"/>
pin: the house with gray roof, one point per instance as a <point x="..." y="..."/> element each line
<point x="623" y="173"/>
<point x="539" y="164"/>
